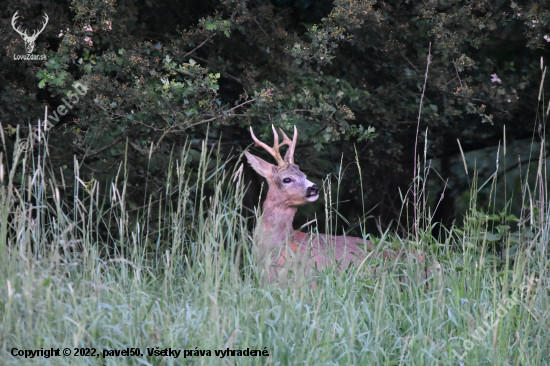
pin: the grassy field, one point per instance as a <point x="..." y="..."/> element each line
<point x="185" y="290"/>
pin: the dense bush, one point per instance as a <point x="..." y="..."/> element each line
<point x="349" y="74"/>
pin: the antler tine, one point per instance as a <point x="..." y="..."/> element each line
<point x="289" y="156"/>
<point x="13" y="19"/>
<point x="46" y="22"/>
<point x="36" y="32"/>
<point x="274" y="151"/>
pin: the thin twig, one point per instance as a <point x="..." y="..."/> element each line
<point x="491" y="104"/>
<point x="135" y="120"/>
<point x="199" y="46"/>
<point x="458" y="76"/>
<point x="410" y="63"/>
<point x="299" y="110"/>
<point x="267" y="35"/>
<point x="116" y="162"/>
<point x="115" y="141"/>
<point x="162" y="137"/>
<point x="139" y="149"/>
<point x="451" y="81"/>
<point x="222" y="115"/>
<point x="225" y="73"/>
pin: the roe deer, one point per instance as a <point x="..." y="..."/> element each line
<point x="288" y="189"/>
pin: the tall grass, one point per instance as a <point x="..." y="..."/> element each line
<point x="91" y="273"/>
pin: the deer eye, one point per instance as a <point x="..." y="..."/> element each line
<point x="287" y="180"/>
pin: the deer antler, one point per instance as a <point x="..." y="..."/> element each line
<point x="24" y="34"/>
<point x="289" y="156"/>
<point x="13" y="19"/>
<point x="274" y="151"/>
<point x="36" y="33"/>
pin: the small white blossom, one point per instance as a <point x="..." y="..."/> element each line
<point x="88" y="28"/>
<point x="495" y="79"/>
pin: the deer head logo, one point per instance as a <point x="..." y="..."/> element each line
<point x="29" y="40"/>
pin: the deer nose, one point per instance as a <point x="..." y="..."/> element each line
<point x="312" y="191"/>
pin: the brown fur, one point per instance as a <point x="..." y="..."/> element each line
<point x="278" y="244"/>
<point x="277" y="233"/>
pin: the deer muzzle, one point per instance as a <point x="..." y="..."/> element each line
<point x="312" y="193"/>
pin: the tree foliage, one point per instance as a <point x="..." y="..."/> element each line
<point x="349" y="74"/>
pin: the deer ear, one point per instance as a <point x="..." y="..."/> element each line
<point x="261" y="166"/>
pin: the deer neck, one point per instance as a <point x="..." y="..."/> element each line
<point x="277" y="217"/>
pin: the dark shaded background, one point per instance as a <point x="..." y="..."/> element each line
<point x="333" y="69"/>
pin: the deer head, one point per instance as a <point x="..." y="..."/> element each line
<point x="29" y="40"/>
<point x="288" y="186"/>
